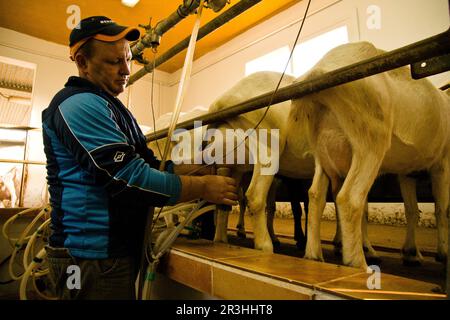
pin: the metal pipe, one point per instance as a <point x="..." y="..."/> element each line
<point x="418" y="51"/>
<point x="182" y="12"/>
<point x="22" y="161"/>
<point x="214" y="24"/>
<point x="153" y="34"/>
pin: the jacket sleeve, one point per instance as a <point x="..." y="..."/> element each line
<point x="88" y="128"/>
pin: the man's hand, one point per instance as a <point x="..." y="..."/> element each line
<point x="220" y="190"/>
<point x="215" y="189"/>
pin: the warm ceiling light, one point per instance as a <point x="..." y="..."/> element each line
<point x="129" y="3"/>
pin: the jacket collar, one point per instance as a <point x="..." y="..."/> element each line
<point x="75" y="81"/>
<point x="80" y="82"/>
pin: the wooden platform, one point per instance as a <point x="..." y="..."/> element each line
<point x="232" y="272"/>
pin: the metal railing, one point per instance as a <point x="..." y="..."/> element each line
<point x="437" y="45"/>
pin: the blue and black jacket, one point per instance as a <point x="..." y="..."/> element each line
<point x="102" y="177"/>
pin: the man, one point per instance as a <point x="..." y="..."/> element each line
<point x="102" y="177"/>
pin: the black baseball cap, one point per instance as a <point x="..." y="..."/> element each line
<point x="101" y="28"/>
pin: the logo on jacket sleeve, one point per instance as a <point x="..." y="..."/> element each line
<point x="118" y="157"/>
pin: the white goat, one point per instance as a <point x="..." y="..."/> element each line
<point x="386" y="123"/>
<point x="276" y="118"/>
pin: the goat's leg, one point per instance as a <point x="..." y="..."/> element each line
<point x="297" y="212"/>
<point x="317" y="198"/>
<point x="410" y="253"/>
<point x="221" y="216"/>
<point x="369" y="252"/>
<point x="271" y="208"/>
<point x="299" y="236"/>
<point x="440" y="181"/>
<point x="351" y="200"/>
<point x="221" y="234"/>
<point x="336" y="185"/>
<point x="256" y="199"/>
<point x="242" y="206"/>
<point x="306" y="207"/>
<point x="371" y="255"/>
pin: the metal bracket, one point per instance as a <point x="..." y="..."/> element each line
<point x="430" y="67"/>
<point x="140" y="58"/>
<point x="217" y="5"/>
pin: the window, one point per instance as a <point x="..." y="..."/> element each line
<point x="273" y="61"/>
<point x="308" y="53"/>
<point x="305" y="56"/>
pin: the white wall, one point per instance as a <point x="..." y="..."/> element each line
<point x="402" y="22"/>
<point x="141" y="92"/>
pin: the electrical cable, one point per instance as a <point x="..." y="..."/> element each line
<point x="23" y="239"/>
<point x="8" y="222"/>
<point x="37" y="234"/>
<point x="37" y="261"/>
<point x="27" y="243"/>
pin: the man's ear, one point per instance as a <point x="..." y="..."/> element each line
<point x="81" y="62"/>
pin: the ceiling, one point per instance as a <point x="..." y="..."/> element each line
<point x="46" y="19"/>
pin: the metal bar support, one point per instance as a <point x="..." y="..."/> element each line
<point x="214" y="24"/>
<point x="154" y="34"/>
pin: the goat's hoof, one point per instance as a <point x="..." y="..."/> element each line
<point x="220" y="240"/>
<point x="241" y="234"/>
<point x="411" y="258"/>
<point x="337" y="249"/>
<point x="276" y="243"/>
<point x="314" y="258"/>
<point x="411" y="263"/>
<point x="267" y="247"/>
<point x="441" y="258"/>
<point x="373" y="260"/>
<point x="371" y="256"/>
<point x="301" y="245"/>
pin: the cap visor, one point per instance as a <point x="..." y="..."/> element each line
<point x="128" y="33"/>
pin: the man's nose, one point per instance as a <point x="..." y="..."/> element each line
<point x="125" y="68"/>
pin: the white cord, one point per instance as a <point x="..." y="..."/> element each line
<point x="35" y="263"/>
<point x="22" y="240"/>
<point x="184" y="81"/>
<point x="32" y="240"/>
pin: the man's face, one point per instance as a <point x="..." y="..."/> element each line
<point x="109" y="65"/>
